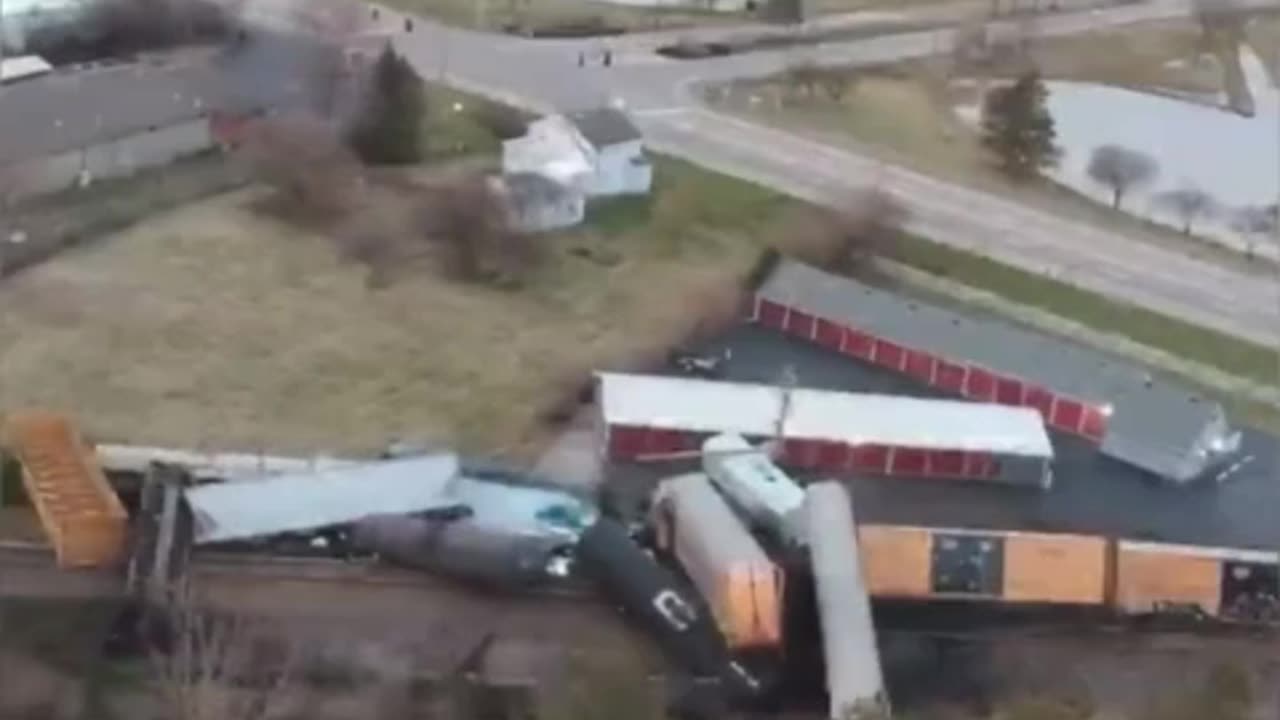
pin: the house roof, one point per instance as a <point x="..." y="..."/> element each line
<point x="26" y="66"/>
<point x="856" y="419"/>
<point x="603" y="127"/>
<point x="1155" y="424"/>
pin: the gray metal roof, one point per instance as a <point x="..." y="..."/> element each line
<point x="605" y="126"/>
<point x="324" y="498"/>
<point x="1155" y="424"/>
<point x="67" y="110"/>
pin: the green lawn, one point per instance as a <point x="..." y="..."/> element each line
<point x="1195" y="343"/>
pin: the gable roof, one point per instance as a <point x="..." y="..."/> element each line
<point x="603" y="127"/>
<point x="1155" y="424"/>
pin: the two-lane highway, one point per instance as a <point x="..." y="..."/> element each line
<point x="545" y="75"/>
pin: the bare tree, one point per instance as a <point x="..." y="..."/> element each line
<point x="218" y="667"/>
<point x="1121" y="169"/>
<point x="470" y="221"/>
<point x="1189" y="204"/>
<point x="305" y="162"/>
<point x="1255" y="224"/>
<point x="803" y="76"/>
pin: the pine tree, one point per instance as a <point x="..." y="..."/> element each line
<point x="1017" y="127"/>
<point x="389" y="128"/>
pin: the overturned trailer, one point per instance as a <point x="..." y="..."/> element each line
<point x="646" y="416"/>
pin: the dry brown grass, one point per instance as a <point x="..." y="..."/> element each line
<point x="217" y="326"/>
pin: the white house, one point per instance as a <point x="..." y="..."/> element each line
<point x="601" y="152"/>
<point x="536" y="203"/>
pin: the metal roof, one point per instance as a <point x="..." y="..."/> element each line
<point x="603" y="127"/>
<point x="723" y="541"/>
<point x="856" y="419"/>
<point x="68" y="110"/>
<point x="17" y="68"/>
<point x="1154" y="424"/>
<point x="307" y="501"/>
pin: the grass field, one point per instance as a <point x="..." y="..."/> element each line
<point x="217" y="326"/>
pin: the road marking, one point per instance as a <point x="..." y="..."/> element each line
<point x="1222" y="476"/>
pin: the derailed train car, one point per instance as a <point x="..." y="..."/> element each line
<point x="492" y="557"/>
<point x="1021" y="568"/>
<point x="652" y="595"/>
<point x="738" y="581"/>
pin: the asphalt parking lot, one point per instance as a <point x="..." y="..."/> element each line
<point x="1091" y="494"/>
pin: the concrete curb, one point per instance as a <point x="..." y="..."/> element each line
<point x="1210" y="377"/>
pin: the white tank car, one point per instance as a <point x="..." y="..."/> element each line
<point x="855" y="683"/>
<point x="757" y="486"/>
<point x="486" y="555"/>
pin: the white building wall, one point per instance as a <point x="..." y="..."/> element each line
<point x="622" y="169"/>
<point x="116" y="158"/>
<point x="553" y="216"/>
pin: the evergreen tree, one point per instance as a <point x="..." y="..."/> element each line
<point x="1017" y="127"/>
<point x="389" y="127"/>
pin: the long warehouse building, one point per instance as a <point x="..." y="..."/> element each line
<point x="1132" y="417"/>
<point x="647" y="415"/>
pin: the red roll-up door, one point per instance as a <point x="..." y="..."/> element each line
<point x="1008" y="391"/>
<point x="889" y="355"/>
<point x="950" y="377"/>
<point x="662" y="440"/>
<point x="800" y="324"/>
<point x="832" y="457"/>
<point x="801" y="453"/>
<point x="979" y="465"/>
<point x="858" y="344"/>
<point x="1094" y="425"/>
<point x="830" y="335"/>
<point x="771" y="315"/>
<point x="870" y="459"/>
<point x="920" y="365"/>
<point x="946" y="463"/>
<point x="1040" y="399"/>
<point x="626" y="442"/>
<point x="980" y="385"/>
<point x="1067" y="415"/>
<point x="908" y="461"/>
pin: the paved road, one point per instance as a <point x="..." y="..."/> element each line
<point x="544" y="75"/>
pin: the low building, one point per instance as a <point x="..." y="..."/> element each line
<point x="536" y="203"/>
<point x="1131" y="416"/>
<point x="100" y="123"/>
<point x="600" y="152"/>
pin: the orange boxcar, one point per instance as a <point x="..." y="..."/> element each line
<point x="1151" y="575"/>
<point x="1044" y="568"/>
<point x="896" y="560"/>
<point x="733" y="574"/>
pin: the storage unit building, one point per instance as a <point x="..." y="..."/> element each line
<point x="1227" y="583"/>
<point x="855" y="682"/>
<point x="1133" y="417"/>
<point x="646" y="415"/>
<point x="736" y="578"/>
<point x="1014" y="567"/>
